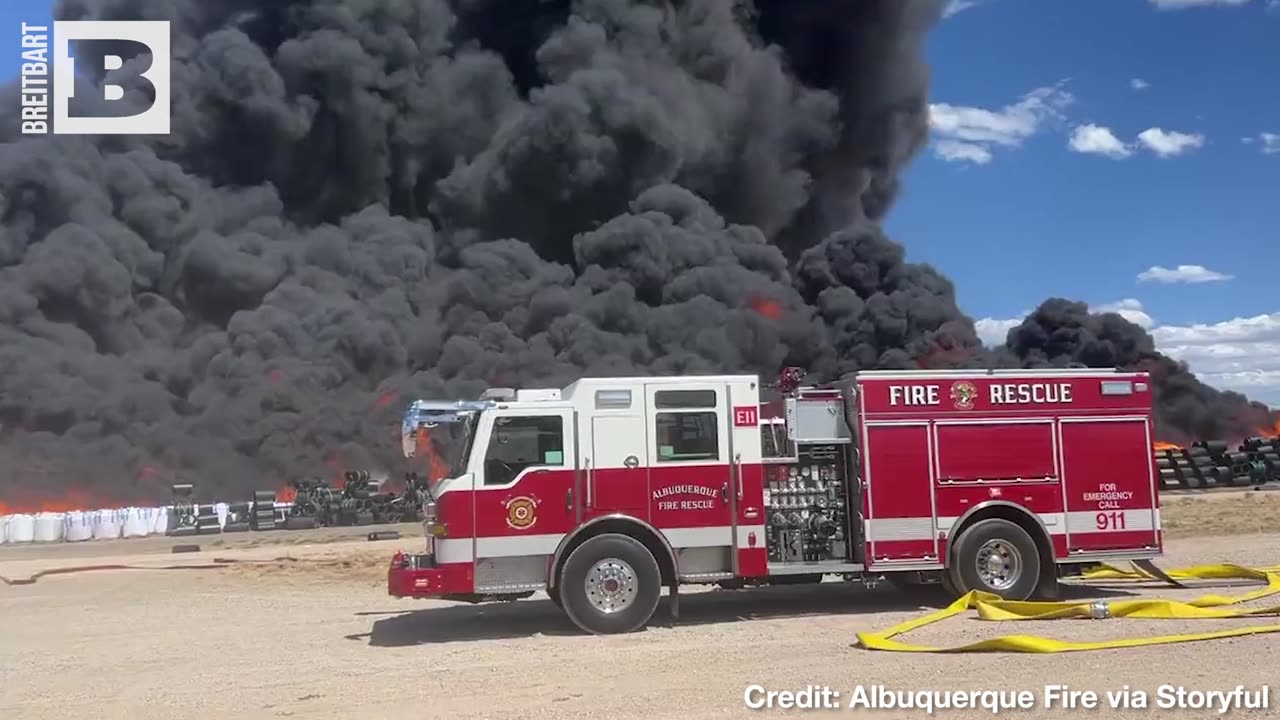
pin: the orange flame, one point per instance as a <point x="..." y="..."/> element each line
<point x="1167" y="446"/>
<point x="766" y="307"/>
<point x="72" y="499"/>
<point x="436" y="467"/>
<point x="1271" y="432"/>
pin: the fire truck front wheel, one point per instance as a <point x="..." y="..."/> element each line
<point x="998" y="557"/>
<point x="610" y="584"/>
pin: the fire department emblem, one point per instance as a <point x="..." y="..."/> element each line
<point x="522" y="512"/>
<point x="963" y="393"/>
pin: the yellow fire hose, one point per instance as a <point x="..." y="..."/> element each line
<point x="991" y="607"/>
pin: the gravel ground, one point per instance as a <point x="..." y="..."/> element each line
<point x="308" y="631"/>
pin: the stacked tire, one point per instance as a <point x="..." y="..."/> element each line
<point x="264" y="510"/>
<point x="1266" y="451"/>
<point x="1204" y="465"/>
<point x="1230" y="467"/>
<point x="207" y="522"/>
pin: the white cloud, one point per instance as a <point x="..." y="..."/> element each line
<point x="970" y="134"/>
<point x="955" y="7"/>
<point x="1184" y="4"/>
<point x="1269" y="143"/>
<point x="1140" y="84"/>
<point x="1169" y="143"/>
<point x="957" y="151"/>
<point x="994" y="331"/>
<point x="1185" y="274"/>
<point x="1241" y="354"/>
<point x="1130" y="309"/>
<point x="1098" y="140"/>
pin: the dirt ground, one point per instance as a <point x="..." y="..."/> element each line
<point x="302" y="627"/>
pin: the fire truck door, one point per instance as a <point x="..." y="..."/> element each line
<point x="691" y="473"/>
<point x="1107" y="470"/>
<point x="614" y="468"/>
<point x="523" y="494"/>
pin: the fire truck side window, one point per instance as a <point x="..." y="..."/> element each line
<point x="684" y="436"/>
<point x="521" y="442"/>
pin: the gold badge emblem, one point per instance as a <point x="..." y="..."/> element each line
<point x="963" y="393"/>
<point x="522" y="512"/>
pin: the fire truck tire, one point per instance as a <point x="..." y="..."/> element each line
<point x="554" y="594"/>
<point x="998" y="557"/>
<point x="610" y="584"/>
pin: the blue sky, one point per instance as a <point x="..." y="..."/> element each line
<point x="1121" y="152"/>
<point x="1078" y="144"/>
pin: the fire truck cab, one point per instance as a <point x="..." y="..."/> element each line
<point x="602" y="492"/>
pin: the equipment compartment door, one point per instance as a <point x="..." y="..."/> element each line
<point x="1108" y="481"/>
<point x="899" y="475"/>
<point x="690" y="473"/>
<point x="615" y="472"/>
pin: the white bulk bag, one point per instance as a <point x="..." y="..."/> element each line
<point x="48" y="527"/>
<point x="106" y="525"/>
<point x="137" y="522"/>
<point x="77" y="526"/>
<point x="22" y="529"/>
<point x="160" y="521"/>
<point x="4" y="529"/>
<point x="223" y="510"/>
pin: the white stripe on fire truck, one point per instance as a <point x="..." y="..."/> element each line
<point x="460" y="549"/>
<point x="882" y="530"/>
<point x="1077" y="523"/>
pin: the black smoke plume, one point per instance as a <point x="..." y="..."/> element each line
<point x="362" y="203"/>
<point x="1062" y="333"/>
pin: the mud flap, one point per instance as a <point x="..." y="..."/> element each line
<point x="1149" y="568"/>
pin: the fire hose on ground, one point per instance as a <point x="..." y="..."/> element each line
<point x="1208" y="607"/>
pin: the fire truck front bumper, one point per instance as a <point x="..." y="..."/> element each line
<point x="420" y="576"/>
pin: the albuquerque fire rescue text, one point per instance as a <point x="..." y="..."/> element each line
<point x="666" y="492"/>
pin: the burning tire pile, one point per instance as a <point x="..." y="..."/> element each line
<point x="1211" y="464"/>
<point x="356" y="503"/>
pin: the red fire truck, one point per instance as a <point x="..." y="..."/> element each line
<point x="603" y="492"/>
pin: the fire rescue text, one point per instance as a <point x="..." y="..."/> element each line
<point x="35" y="79"/>
<point x="999" y="394"/>
<point x="699" y="504"/>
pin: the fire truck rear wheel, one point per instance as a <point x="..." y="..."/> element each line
<point x="998" y="557"/>
<point x="610" y="584"/>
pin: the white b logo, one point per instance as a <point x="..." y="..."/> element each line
<point x="95" y="44"/>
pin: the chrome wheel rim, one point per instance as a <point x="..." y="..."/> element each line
<point x="611" y="586"/>
<point x="999" y="564"/>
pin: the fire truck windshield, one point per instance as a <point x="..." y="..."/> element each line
<point x="445" y="447"/>
<point x="438" y="435"/>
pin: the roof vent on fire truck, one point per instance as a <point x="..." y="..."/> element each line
<point x="499" y="394"/>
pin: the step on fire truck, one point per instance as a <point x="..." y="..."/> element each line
<point x="605" y="491"/>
